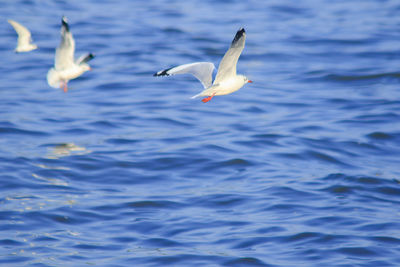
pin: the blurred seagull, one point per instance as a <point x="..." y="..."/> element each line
<point x="24" y="37"/>
<point x="226" y="81"/>
<point x="65" y="67"/>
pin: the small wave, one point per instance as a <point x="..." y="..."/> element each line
<point x="341" y="78"/>
<point x="11" y="130"/>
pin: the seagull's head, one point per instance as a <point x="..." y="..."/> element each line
<point x="84" y="67"/>
<point x="245" y="79"/>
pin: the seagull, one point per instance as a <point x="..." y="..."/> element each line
<point x="226" y="81"/>
<point x="65" y="67"/>
<point x="24" y="37"/>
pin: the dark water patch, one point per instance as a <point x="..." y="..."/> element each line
<point x="250" y="242"/>
<point x="289" y="192"/>
<point x="270" y="230"/>
<point x="104" y="124"/>
<point x="331" y="41"/>
<point x="387" y="117"/>
<point x="10" y="259"/>
<point x="365" y="189"/>
<point x="162" y="242"/>
<point x="291" y="156"/>
<point x="98" y="247"/>
<point x="170" y="122"/>
<point x="390" y="191"/>
<point x="254" y="110"/>
<point x="219" y="200"/>
<point x="244" y="127"/>
<point x="7" y="243"/>
<point x="182" y="259"/>
<point x="173" y="30"/>
<point x="360" y="147"/>
<point x="218" y="148"/>
<point x="308" y="128"/>
<point x="325" y="158"/>
<point x="378" y="76"/>
<point x="155" y="204"/>
<point x="245" y="261"/>
<point x="7" y="124"/>
<point x="292" y="104"/>
<point x="76" y="131"/>
<point x="291" y="10"/>
<point x="364" y="252"/>
<point x="168" y="163"/>
<point x="361" y="180"/>
<point x="303" y="237"/>
<point x="45" y="239"/>
<point x="257" y="143"/>
<point x="17" y="131"/>
<point x="59" y="120"/>
<point x="124" y="239"/>
<point x="379" y="136"/>
<point x="122" y="141"/>
<point x="114" y="86"/>
<point x="232" y="164"/>
<point x="386" y="240"/>
<point x="378" y="227"/>
<point x="339" y="189"/>
<point x="291" y="210"/>
<point x="334" y="221"/>
<point x="105" y="103"/>
<point x="274" y="137"/>
<point x="328" y="144"/>
<point x="142" y="226"/>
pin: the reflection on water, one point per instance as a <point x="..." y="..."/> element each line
<point x="50" y="180"/>
<point x="56" y="152"/>
<point x="67" y="149"/>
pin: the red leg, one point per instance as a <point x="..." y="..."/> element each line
<point x="208" y="98"/>
<point x="65" y="87"/>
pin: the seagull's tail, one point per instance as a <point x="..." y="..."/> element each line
<point x="195" y="96"/>
<point x="53" y="79"/>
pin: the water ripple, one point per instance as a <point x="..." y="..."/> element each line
<point x="299" y="168"/>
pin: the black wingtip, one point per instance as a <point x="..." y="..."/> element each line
<point x="238" y="35"/>
<point x="162" y="73"/>
<point x="64" y="23"/>
<point x="89" y="57"/>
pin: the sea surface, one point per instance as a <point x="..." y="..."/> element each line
<point x="299" y="168"/>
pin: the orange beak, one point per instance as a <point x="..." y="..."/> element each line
<point x="249" y="81"/>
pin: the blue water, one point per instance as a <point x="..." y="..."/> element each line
<point x="300" y="168"/>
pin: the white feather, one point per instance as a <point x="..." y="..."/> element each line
<point x="226" y="81"/>
<point x="24" y="37"/>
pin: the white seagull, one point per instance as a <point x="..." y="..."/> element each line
<point x="65" y="66"/>
<point x="226" y="81"/>
<point x="24" y="37"/>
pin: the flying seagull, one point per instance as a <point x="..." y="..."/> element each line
<point x="24" y="37"/>
<point x="226" y="81"/>
<point x="65" y="66"/>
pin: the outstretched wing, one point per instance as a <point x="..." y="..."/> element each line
<point x="24" y="35"/>
<point x="65" y="51"/>
<point x="84" y="58"/>
<point x="227" y="66"/>
<point x="201" y="70"/>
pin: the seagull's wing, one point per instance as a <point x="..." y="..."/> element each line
<point x="65" y="51"/>
<point x="227" y="66"/>
<point x="84" y="58"/>
<point x="201" y="70"/>
<point x="24" y="35"/>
